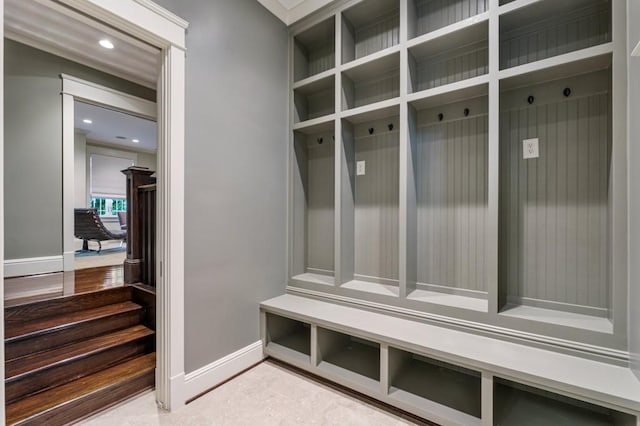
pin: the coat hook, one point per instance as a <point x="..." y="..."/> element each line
<point x="333" y="138"/>
<point x="466" y="112"/>
<point x="440" y="117"/>
<point x="566" y="92"/>
<point x="371" y="130"/>
<point x="530" y="99"/>
<point x="390" y="126"/>
<point x="320" y="140"/>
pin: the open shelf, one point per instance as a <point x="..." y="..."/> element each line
<point x="517" y="404"/>
<point x="368" y="27"/>
<point x="350" y="358"/>
<point x="289" y="338"/>
<point x="371" y="82"/>
<point x="454" y="57"/>
<point x="549" y="28"/>
<point x="314" y="100"/>
<point x="555" y="210"/>
<point x="426" y="16"/>
<point x="313" y="205"/>
<point x="449" y="149"/>
<point x="314" y="50"/>
<point x="451" y="391"/>
<point x="372" y="202"/>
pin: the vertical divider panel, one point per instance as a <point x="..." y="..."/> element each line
<point x="345" y="161"/>
<point x="314" y="345"/>
<point x="384" y="369"/>
<point x="407" y="211"/>
<point x="291" y="261"/>
<point x="487" y="399"/>
<point x="495" y="299"/>
<point x="338" y="239"/>
<point x="618" y="253"/>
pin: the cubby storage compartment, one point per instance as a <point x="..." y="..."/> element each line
<point x="435" y="387"/>
<point x="314" y="50"/>
<point x="550" y="27"/>
<point x="449" y="168"/>
<point x="454" y="57"/>
<point x="519" y="405"/>
<point x="426" y="16"/>
<point x="370" y="202"/>
<point x="289" y="338"/>
<point x="313" y="204"/>
<point x="350" y="358"/>
<point x="555" y="220"/>
<point x="314" y="100"/>
<point x="371" y="82"/>
<point x="368" y="27"/>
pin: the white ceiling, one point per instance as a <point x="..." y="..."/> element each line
<point x="108" y="124"/>
<point x="68" y="34"/>
<point x="290" y="11"/>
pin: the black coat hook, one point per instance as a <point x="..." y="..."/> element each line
<point x="566" y="92"/>
<point x="440" y="117"/>
<point x="466" y="112"/>
<point x="371" y="130"/>
<point x="320" y="140"/>
<point x="390" y="126"/>
<point x="530" y="99"/>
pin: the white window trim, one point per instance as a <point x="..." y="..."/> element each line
<point x="154" y="25"/>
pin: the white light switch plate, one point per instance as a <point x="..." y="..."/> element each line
<point x="360" y="168"/>
<point x="530" y="148"/>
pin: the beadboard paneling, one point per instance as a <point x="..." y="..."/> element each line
<point x="376" y="200"/>
<point x="314" y="105"/>
<point x="364" y="92"/>
<point x="451" y="66"/>
<point x="452" y="203"/>
<point x="434" y="14"/>
<point x="378" y="35"/>
<point x="554" y="210"/>
<point x="555" y="35"/>
<point x="316" y="171"/>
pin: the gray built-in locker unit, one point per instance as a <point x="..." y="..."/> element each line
<point x="460" y="163"/>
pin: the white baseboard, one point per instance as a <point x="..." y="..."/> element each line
<point x="33" y="266"/>
<point x="211" y="375"/>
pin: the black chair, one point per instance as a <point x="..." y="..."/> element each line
<point x="89" y="227"/>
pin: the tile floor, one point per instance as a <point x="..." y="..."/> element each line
<point x="268" y="394"/>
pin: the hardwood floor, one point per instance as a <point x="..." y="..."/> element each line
<point x="74" y="353"/>
<point x="74" y="282"/>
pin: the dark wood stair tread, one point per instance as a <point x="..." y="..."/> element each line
<point x="39" y="327"/>
<point x="19" y="313"/>
<point x="17" y="368"/>
<point x="56" y="405"/>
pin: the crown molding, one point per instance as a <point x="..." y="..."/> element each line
<point x="290" y="16"/>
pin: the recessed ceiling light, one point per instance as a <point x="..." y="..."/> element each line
<point x="135" y="140"/>
<point x="86" y="120"/>
<point x="106" y="43"/>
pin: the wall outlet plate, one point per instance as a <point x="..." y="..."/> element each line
<point x="360" y="168"/>
<point x="530" y="148"/>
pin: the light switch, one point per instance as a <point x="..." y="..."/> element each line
<point x="360" y="168"/>
<point x="530" y="149"/>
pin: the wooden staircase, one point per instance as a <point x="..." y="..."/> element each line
<point x="70" y="357"/>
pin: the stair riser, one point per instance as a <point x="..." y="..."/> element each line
<point x="86" y="406"/>
<point x="17" y="348"/>
<point x="71" y="370"/>
<point x="39" y="310"/>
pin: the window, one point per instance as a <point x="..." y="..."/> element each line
<point x="109" y="206"/>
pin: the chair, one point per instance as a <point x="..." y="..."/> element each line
<point x="89" y="227"/>
<point x="122" y="218"/>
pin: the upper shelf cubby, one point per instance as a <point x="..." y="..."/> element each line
<point x="314" y="50"/>
<point x="314" y="100"/>
<point x="426" y="16"/>
<point x="368" y="27"/>
<point x="456" y="56"/>
<point x="371" y="82"/>
<point x="549" y="28"/>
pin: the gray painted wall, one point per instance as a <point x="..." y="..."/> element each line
<point x="633" y="22"/>
<point x="236" y="172"/>
<point x="33" y="146"/>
